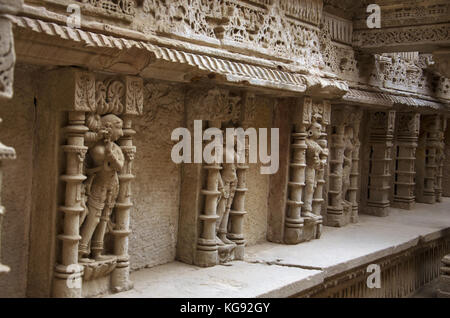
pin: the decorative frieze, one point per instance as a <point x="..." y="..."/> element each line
<point x="97" y="201"/>
<point x="406" y="142"/>
<point x="382" y="124"/>
<point x="343" y="175"/>
<point x="307" y="171"/>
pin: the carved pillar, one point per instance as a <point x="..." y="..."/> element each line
<point x="440" y="158"/>
<point x="120" y="280"/>
<point x="429" y="156"/>
<point x="382" y="125"/>
<point x="353" y="191"/>
<point x="236" y="234"/>
<point x="294" y="222"/>
<point x="306" y="175"/>
<point x="75" y="151"/>
<point x="407" y="133"/>
<point x="344" y="167"/>
<point x="207" y="250"/>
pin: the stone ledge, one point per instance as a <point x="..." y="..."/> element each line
<point x="273" y="270"/>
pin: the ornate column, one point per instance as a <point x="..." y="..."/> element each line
<point x="335" y="209"/>
<point x="238" y="212"/>
<point x="440" y="158"/>
<point x="407" y="134"/>
<point x="306" y="176"/>
<point x="428" y="159"/>
<point x="67" y="281"/>
<point x="294" y="222"/>
<point x="382" y="125"/>
<point x="207" y="250"/>
<point x="353" y="191"/>
<point x="344" y="167"/>
<point x="120" y="280"/>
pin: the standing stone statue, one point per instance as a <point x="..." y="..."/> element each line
<point x="315" y="160"/>
<point x="102" y="185"/>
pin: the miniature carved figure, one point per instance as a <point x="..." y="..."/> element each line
<point x="315" y="160"/>
<point x="102" y="186"/>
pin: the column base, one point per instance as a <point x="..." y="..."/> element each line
<point x="120" y="278"/>
<point x="206" y="258"/>
<point x="403" y="205"/>
<point x="428" y="199"/>
<point x="239" y="251"/>
<point x="67" y="282"/>
<point x="377" y="211"/>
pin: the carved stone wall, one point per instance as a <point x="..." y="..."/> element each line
<point x="446" y="170"/>
<point x="343" y="186"/>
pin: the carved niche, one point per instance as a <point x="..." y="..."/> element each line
<point x="99" y="154"/>
<point x="309" y="159"/>
<point x="343" y="175"/>
<point x="219" y="186"/>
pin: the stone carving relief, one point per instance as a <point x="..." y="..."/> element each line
<point x="161" y="101"/>
<point x="411" y="34"/>
<point x="270" y="27"/>
<point x="306" y="177"/>
<point x="99" y="155"/>
<point x="344" y="167"/>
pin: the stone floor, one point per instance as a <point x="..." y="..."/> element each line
<point x="274" y="270"/>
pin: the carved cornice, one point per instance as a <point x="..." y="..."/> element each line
<point x="387" y="100"/>
<point x="232" y="71"/>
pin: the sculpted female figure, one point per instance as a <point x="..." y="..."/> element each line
<point x="315" y="160"/>
<point x="102" y="185"/>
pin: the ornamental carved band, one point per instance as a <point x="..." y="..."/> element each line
<point x="309" y="155"/>
<point x="99" y="154"/>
